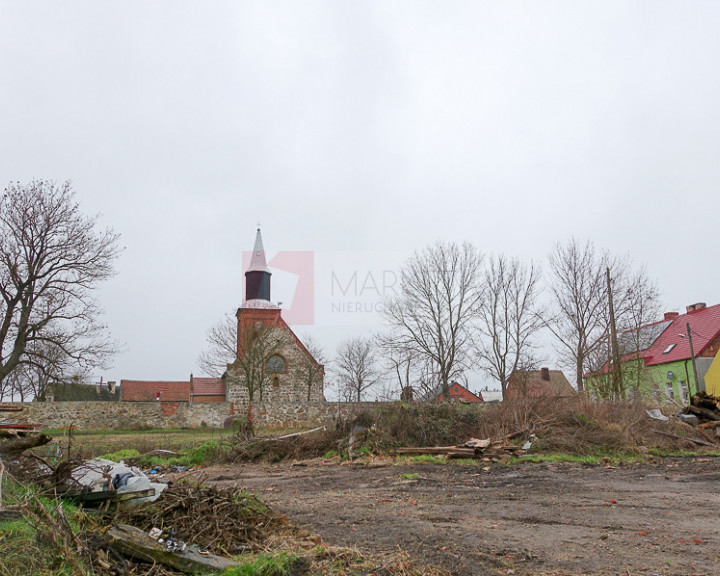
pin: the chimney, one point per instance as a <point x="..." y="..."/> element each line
<point x="696" y="306"/>
<point x="545" y="374"/>
<point x="671" y="315"/>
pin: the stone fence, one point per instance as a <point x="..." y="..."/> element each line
<point x="144" y="415"/>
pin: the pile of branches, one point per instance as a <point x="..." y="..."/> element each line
<point x="221" y="521"/>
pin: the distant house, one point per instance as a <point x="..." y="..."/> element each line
<point x="662" y="368"/>
<point x="154" y="391"/>
<point x="536" y="383"/>
<point x="458" y="393"/>
<point x="207" y="389"/>
<point x="78" y="392"/>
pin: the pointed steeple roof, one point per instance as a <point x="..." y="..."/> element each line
<point x="257" y="262"/>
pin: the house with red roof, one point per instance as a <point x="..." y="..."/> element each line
<point x="673" y="350"/>
<point x="537" y="383"/>
<point x="207" y="389"/>
<point x="154" y="391"/>
<point x="458" y="393"/>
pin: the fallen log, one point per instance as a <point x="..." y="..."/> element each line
<point x="709" y="425"/>
<point x="704" y="400"/>
<point x="135" y="543"/>
<point x="13" y="442"/>
<point x="442" y="450"/>
<point x="705" y="413"/>
<point x="693" y="440"/>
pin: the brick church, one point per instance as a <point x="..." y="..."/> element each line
<point x="272" y="363"/>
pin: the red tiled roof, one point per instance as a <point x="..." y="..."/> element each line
<point x="459" y="392"/>
<point x="146" y="391"/>
<point x="208" y="386"/>
<point x="705" y="327"/>
<point x="530" y="383"/>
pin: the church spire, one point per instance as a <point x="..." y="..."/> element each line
<point x="257" y="276"/>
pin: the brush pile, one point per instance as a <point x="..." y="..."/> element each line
<point x="221" y="521"/>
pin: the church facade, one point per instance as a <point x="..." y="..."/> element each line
<point x="272" y="364"/>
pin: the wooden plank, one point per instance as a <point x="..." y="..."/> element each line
<point x="6" y="408"/>
<point x="137" y="544"/>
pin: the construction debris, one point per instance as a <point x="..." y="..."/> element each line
<point x="473" y="448"/>
<point x="98" y="480"/>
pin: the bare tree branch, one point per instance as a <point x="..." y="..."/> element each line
<point x="433" y="315"/>
<point x="51" y="259"/>
<point x="509" y="319"/>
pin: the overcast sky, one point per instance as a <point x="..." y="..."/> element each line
<point x="362" y="131"/>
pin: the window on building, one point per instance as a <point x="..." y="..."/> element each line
<point x="682" y="385"/>
<point x="276" y="363"/>
<point x="669" y="349"/>
<point x="276" y="382"/>
<point x="669" y="392"/>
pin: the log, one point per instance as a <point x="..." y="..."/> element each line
<point x="708" y="425"/>
<point x="135" y="543"/>
<point x="704" y="413"/>
<point x="13" y="442"/>
<point x="704" y="400"/>
<point x="678" y="437"/>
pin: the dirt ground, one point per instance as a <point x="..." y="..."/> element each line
<point x="555" y="519"/>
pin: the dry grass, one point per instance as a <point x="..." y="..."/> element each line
<point x="581" y="426"/>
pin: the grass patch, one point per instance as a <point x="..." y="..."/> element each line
<point x="427" y="459"/>
<point x="280" y="564"/>
<point x="410" y="476"/>
<point x="123" y="454"/>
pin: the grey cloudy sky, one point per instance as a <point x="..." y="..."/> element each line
<point x="362" y="131"/>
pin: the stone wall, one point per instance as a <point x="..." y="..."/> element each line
<point x="140" y="415"/>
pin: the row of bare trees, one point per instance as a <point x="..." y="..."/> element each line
<point x="459" y="311"/>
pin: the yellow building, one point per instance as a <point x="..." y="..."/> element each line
<point x="712" y="377"/>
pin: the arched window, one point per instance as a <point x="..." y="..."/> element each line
<point x="276" y="363"/>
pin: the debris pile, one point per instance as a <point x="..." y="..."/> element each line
<point x="473" y="448"/>
<point x="706" y="409"/>
<point x="98" y="480"/>
<point x="222" y="521"/>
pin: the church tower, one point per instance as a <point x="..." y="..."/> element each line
<point x="272" y="365"/>
<point x="257" y="276"/>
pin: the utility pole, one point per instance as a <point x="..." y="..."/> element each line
<point x="692" y="356"/>
<point x="616" y="371"/>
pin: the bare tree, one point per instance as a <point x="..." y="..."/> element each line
<point x="221" y="347"/>
<point x="312" y="367"/>
<point x="433" y="314"/>
<point x="244" y="354"/>
<point x="582" y="316"/>
<point x="356" y="368"/>
<point x="51" y="259"/>
<point x="579" y="299"/>
<point x="509" y="319"/>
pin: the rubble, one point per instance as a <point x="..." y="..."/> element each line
<point x="98" y="480"/>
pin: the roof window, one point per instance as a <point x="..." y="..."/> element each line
<point x="669" y="348"/>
